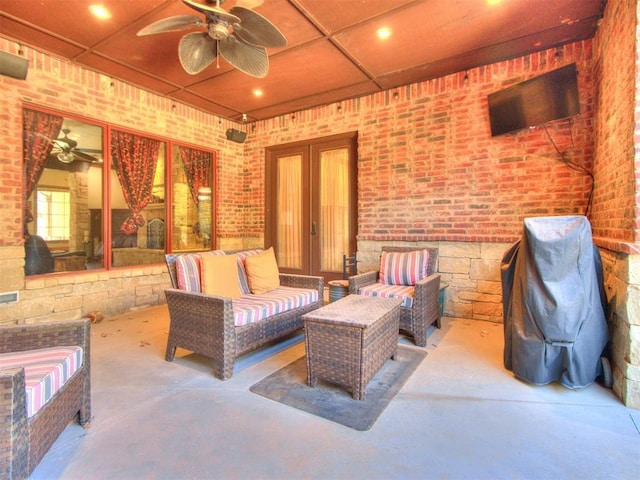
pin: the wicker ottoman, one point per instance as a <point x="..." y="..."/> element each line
<point x="349" y="340"/>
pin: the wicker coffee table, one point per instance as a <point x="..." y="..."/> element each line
<point x="349" y="340"/>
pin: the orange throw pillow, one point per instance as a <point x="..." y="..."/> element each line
<point x="262" y="272"/>
<point x="220" y="275"/>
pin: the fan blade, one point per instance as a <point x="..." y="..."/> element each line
<point x="257" y="30"/>
<point x="172" y="24"/>
<point x="196" y="51"/>
<point x="85" y="157"/>
<point x="247" y="58"/>
<point x="65" y="143"/>
<point x="212" y="11"/>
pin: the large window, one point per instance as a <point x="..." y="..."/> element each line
<point x="69" y="222"/>
<point x="62" y="186"/>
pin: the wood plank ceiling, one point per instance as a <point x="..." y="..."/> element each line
<point x="332" y="53"/>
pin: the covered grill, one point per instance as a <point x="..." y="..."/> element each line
<point x="554" y="303"/>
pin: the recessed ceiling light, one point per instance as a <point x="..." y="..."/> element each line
<point x="383" y="33"/>
<point x="257" y="92"/>
<point x="100" y="11"/>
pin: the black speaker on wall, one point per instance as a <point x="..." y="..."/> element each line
<point x="236" y="135"/>
<point x="13" y="66"/>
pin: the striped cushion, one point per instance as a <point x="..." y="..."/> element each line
<point x="188" y="273"/>
<point x="46" y="370"/>
<point x="403" y="292"/>
<point x="188" y="270"/>
<point x="252" y="308"/>
<point x="403" y="268"/>
<point x="242" y="269"/>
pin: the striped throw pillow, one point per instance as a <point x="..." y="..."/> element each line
<point x="242" y="268"/>
<point x="403" y="268"/>
<point x="188" y="273"/>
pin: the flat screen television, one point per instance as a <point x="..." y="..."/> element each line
<point x="551" y="96"/>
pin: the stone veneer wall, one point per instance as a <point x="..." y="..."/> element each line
<point x="471" y="271"/>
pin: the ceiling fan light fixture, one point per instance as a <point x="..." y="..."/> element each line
<point x="66" y="157"/>
<point x="218" y="31"/>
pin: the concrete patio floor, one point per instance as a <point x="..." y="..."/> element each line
<point x="460" y="416"/>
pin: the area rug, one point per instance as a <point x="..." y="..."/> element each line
<point x="289" y="386"/>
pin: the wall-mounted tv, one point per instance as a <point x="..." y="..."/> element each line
<point x="551" y="96"/>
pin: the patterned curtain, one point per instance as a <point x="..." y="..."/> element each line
<point x="39" y="130"/>
<point x="197" y="166"/>
<point x="135" y="159"/>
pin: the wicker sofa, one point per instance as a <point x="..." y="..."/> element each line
<point x="425" y="310"/>
<point x="204" y="323"/>
<point x="25" y="440"/>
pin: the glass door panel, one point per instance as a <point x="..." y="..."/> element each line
<point x="334" y="208"/>
<point x="289" y="211"/>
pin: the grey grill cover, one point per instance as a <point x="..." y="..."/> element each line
<point x="554" y="303"/>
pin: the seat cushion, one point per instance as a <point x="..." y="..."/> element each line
<point x="403" y="268"/>
<point x="403" y="292"/>
<point x="46" y="370"/>
<point x="252" y="308"/>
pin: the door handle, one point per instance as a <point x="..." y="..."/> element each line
<point x="313" y="228"/>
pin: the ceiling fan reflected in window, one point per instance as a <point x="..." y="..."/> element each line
<point x="241" y="36"/>
<point x="66" y="151"/>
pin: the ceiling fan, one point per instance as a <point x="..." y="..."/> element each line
<point x="240" y="36"/>
<point x="66" y="151"/>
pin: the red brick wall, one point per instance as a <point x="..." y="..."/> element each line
<point x="427" y="163"/>
<point x="617" y="196"/>
<point x="428" y="167"/>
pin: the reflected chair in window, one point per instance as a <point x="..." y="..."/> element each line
<point x="38" y="258"/>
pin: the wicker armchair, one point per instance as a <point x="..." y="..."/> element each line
<point x="24" y="441"/>
<point x="425" y="310"/>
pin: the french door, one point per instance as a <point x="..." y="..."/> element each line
<point x="311" y="217"/>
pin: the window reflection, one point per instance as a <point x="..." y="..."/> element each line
<point x="192" y="209"/>
<point x="63" y="159"/>
<point x="137" y="199"/>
